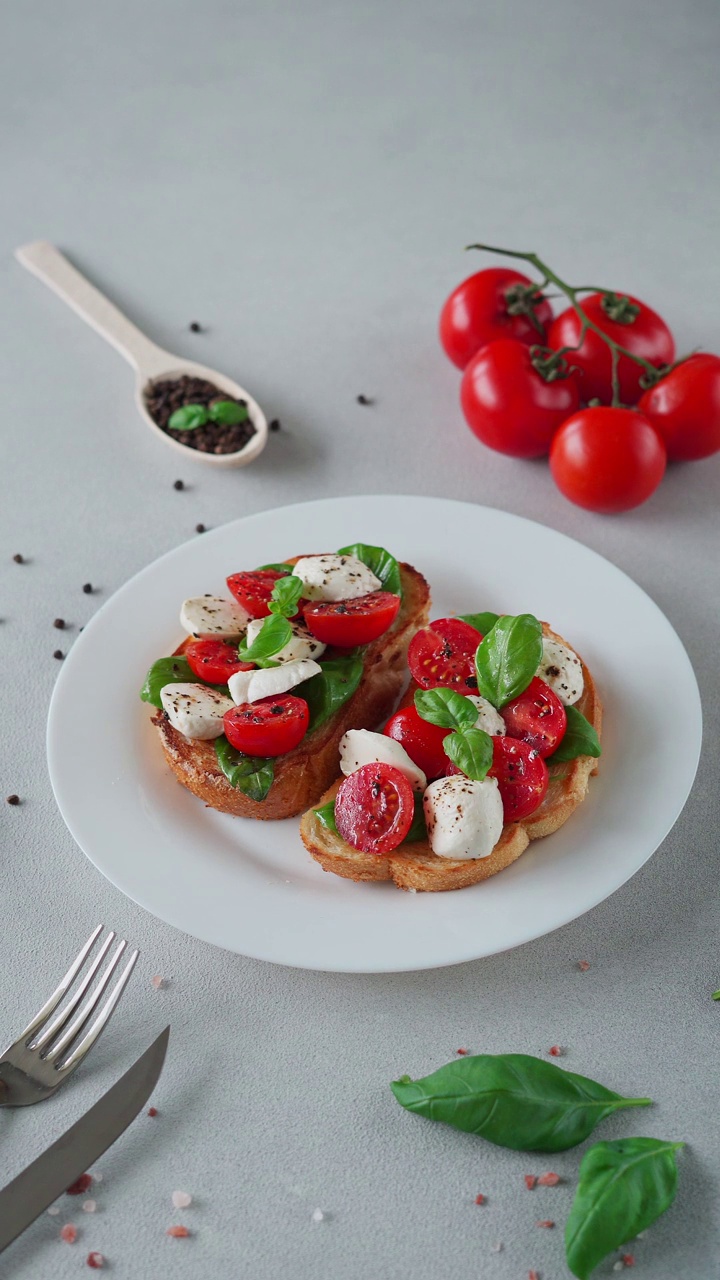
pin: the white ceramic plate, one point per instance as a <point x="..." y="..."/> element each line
<point x="250" y="886"/>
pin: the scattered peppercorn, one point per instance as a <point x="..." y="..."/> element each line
<point x="59" y="623"/>
<point x="178" y="485"/>
<point x="274" y="425"/>
<point x="200" y="528"/>
<point x="195" y="327"/>
<point x="364" y="400"/>
<point x="87" y="588"/>
<point x="18" y="558"/>
<point x="58" y="654"/>
<point x="13" y="799"/>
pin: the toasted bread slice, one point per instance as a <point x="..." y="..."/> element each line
<point x="415" y="866"/>
<point x="302" y="775"/>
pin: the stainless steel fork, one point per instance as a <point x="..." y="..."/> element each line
<point x="51" y="1048"/>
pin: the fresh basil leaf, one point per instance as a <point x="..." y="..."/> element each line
<point x="326" y="692"/>
<point x="380" y="562"/>
<point x="446" y="708"/>
<point x="508" y="658"/>
<point x="252" y="775"/>
<point x="285" y="596"/>
<point x="188" y="417"/>
<point x="623" y="1187"/>
<point x="471" y="750"/>
<point x="579" y="739"/>
<point x="279" y="568"/>
<point x="273" y="635"/>
<point x="326" y="815"/>
<point x="482" y="622"/>
<point x="513" y="1100"/>
<point x="228" y="412"/>
<point x="171" y="671"/>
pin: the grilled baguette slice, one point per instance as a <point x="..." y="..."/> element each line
<point x="302" y="775"/>
<point x="415" y="866"/>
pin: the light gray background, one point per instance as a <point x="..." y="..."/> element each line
<point x="302" y="179"/>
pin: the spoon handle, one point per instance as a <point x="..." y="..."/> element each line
<point x="49" y="265"/>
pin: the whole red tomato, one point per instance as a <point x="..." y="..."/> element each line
<point x="628" y="322"/>
<point x="509" y="405"/>
<point x="685" y="408"/>
<point x="607" y="459"/>
<point x="477" y="312"/>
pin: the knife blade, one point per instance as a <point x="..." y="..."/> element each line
<point x="35" y="1189"/>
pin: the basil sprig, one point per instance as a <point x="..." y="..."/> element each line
<point x="482" y="622"/>
<point x="326" y="692"/>
<point x="279" y="567"/>
<point x="508" y="658"/>
<point x="252" y="775"/>
<point x="378" y="561"/>
<point x="623" y="1187"/>
<point x="326" y="815"/>
<point x="579" y="739"/>
<point x="418" y="828"/>
<point x="446" y="708"/>
<point x="171" y="671"/>
<point x="191" y="416"/>
<point x="513" y="1100"/>
<point x="471" y="750"/>
<point x="285" y="596"/>
<point x="273" y="635"/>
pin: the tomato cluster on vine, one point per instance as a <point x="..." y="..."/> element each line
<point x="597" y="387"/>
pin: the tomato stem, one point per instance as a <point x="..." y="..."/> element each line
<point x="651" y="373"/>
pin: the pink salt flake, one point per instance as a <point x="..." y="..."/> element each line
<point x="480" y="1199"/>
<point x="556" y="1051"/>
<point x="80" y="1185"/>
<point x="152" y="1111"/>
<point x="53" y="1210"/>
<point x="89" y="1206"/>
<point x="98" y="1177"/>
<point x="158" y="982"/>
<point x="68" y="1233"/>
<point x="545" y="1222"/>
<point x="583" y="965"/>
<point x="497" y="1247"/>
<point x="181" y="1199"/>
<point x="530" y="1181"/>
<point x="95" y="1260"/>
<point x="533" y="1275"/>
<point x="549" y="1179"/>
<point x="628" y="1260"/>
<point x="178" y="1233"/>
<point x="462" y="1052"/>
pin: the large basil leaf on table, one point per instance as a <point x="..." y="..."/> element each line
<point x="378" y="561"/>
<point x="513" y="1100"/>
<point x="252" y="775"/>
<point x="176" y="670"/>
<point x="326" y="692"/>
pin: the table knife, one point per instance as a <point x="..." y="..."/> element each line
<point x="35" y="1189"/>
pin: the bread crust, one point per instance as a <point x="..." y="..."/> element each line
<point x="302" y="775"/>
<point x="418" y="868"/>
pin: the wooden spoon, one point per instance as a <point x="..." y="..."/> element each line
<point x="151" y="363"/>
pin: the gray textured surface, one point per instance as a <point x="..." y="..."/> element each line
<point x="301" y="178"/>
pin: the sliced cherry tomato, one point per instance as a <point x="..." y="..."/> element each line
<point x="270" y="727"/>
<point x="537" y="716"/>
<point x="422" y="741"/>
<point x="509" y="405"/>
<point x="685" y="408"/>
<point x="522" y="777"/>
<point x="644" y="333"/>
<point x="374" y="808"/>
<point x="481" y="309"/>
<point x="253" y="590"/>
<point x="214" y="661"/>
<point x="444" y="654"/>
<point x="345" y="623"/>
<point x="607" y="459"/>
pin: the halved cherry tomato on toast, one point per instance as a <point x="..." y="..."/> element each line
<point x="537" y="716"/>
<point x="444" y="654"/>
<point x="422" y="741"/>
<point x="522" y="777"/>
<point x="346" y="623"/>
<point x="253" y="590"/>
<point x="214" y="660"/>
<point x="269" y="727"/>
<point x="374" y="808"/>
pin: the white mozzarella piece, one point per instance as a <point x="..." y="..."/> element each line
<point x="195" y="710"/>
<point x="239" y="685"/>
<point x="361" y="746"/>
<point x="562" y="670"/>
<point x="271" y="681"/>
<point x="302" y="644"/>
<point x="333" y="577"/>
<point x="488" y="718"/>
<point x="464" y="818"/>
<point x="214" y="618"/>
